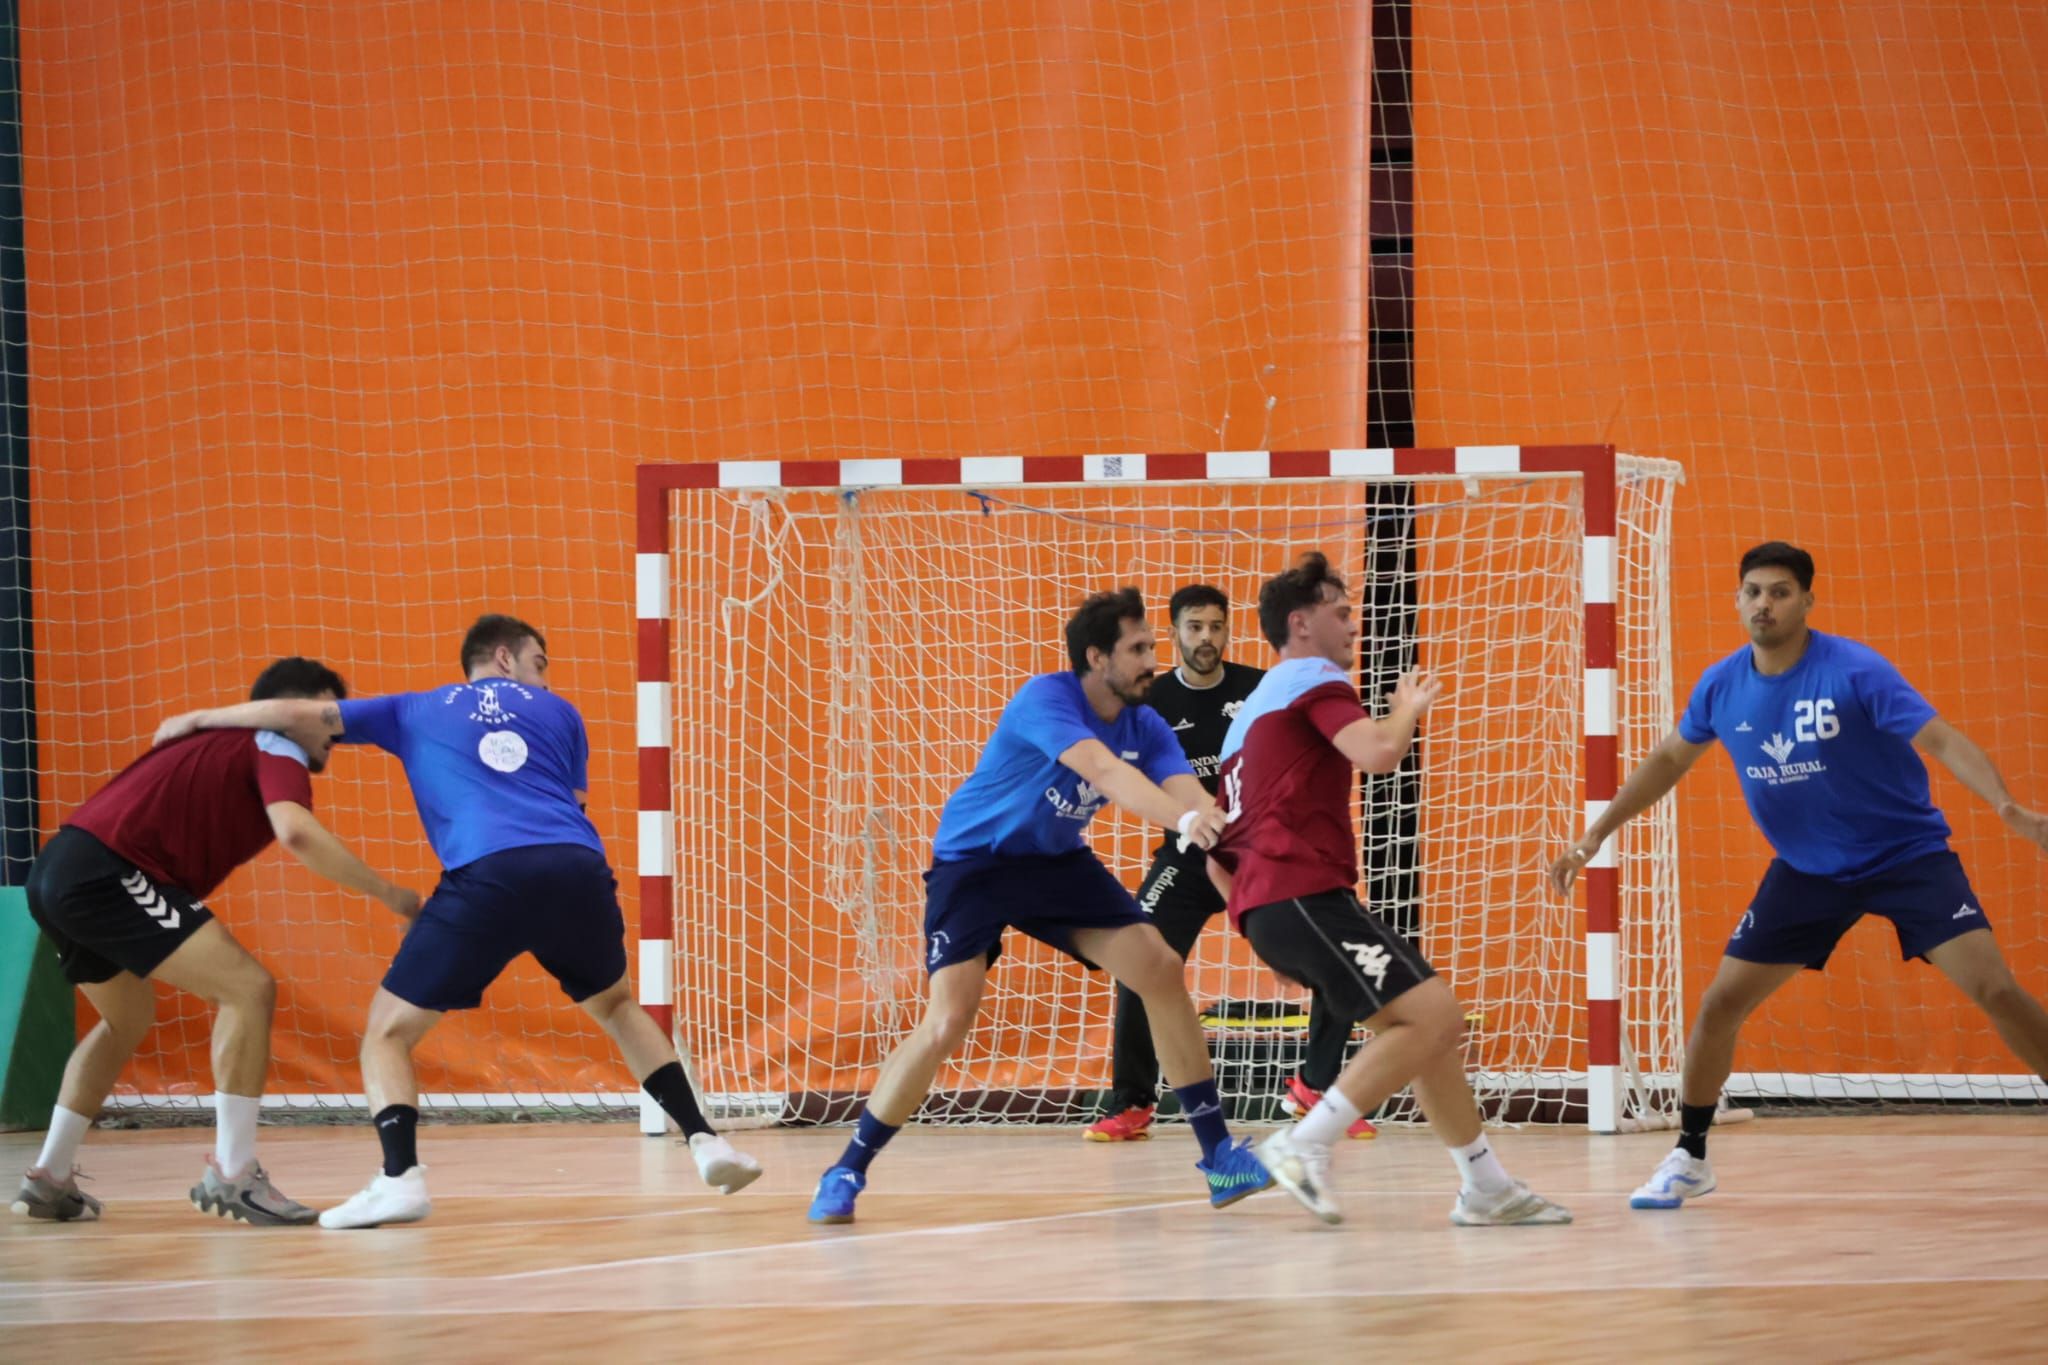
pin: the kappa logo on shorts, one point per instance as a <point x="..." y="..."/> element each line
<point x="1965" y="912"/>
<point x="1743" y="925"/>
<point x="940" y="942"/>
<point x="152" y="902"/>
<point x="1372" y="960"/>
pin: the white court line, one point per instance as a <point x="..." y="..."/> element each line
<point x="826" y="1239"/>
<point x="217" y="1229"/>
<point x="1225" y="1292"/>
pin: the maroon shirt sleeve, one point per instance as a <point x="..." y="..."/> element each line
<point x="1331" y="708"/>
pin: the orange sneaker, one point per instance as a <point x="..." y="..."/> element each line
<point x="1297" y="1099"/>
<point x="1132" y="1125"/>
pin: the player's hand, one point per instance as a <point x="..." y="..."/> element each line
<point x="2030" y="825"/>
<point x="403" y="902"/>
<point x="1417" y="691"/>
<point x="177" y="727"/>
<point x="1571" y="862"/>
<point x="1203" y="830"/>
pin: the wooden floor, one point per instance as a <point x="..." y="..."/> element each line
<point x="1830" y="1239"/>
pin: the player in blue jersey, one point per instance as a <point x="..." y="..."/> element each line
<point x="1010" y="853"/>
<point x="1823" y="732"/>
<point x="499" y="771"/>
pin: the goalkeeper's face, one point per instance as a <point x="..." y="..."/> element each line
<point x="1202" y="634"/>
<point x="1128" y="671"/>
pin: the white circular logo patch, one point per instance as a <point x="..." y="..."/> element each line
<point x="502" y="750"/>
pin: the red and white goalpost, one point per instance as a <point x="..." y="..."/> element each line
<point x="824" y="645"/>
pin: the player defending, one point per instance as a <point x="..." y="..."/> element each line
<point x="119" y="891"/>
<point x="499" y="770"/>
<point x="1821" y="730"/>
<point x="1198" y="700"/>
<point x="1288" y="862"/>
<point x="1010" y="854"/>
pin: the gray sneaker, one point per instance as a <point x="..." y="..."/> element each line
<point x="252" y="1199"/>
<point x="44" y="1196"/>
<point x="1517" y="1204"/>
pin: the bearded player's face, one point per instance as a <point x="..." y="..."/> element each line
<point x="1128" y="671"/>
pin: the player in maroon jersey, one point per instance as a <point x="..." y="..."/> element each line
<point x="119" y="891"/>
<point x="1288" y="864"/>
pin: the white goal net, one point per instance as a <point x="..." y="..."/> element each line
<point x="839" y="657"/>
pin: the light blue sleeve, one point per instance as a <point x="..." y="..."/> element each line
<point x="1159" y="753"/>
<point x="374" y="720"/>
<point x="1047" y="716"/>
<point x="1891" y="702"/>
<point x="1696" y="724"/>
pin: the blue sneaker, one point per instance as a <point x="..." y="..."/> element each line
<point x="837" y="1189"/>
<point x="1235" y="1175"/>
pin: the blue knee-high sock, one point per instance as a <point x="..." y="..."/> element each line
<point x="1204" y="1109"/>
<point x="869" y="1138"/>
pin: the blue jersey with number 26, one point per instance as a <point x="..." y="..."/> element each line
<point x="1825" y="756"/>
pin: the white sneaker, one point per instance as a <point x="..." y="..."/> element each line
<point x="1303" y="1170"/>
<point x="1517" y="1204"/>
<point x="1679" y="1177"/>
<point x="386" y="1199"/>
<point x="723" y="1169"/>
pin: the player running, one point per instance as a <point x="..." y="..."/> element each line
<point x="1822" y="731"/>
<point x="499" y="770"/>
<point x="1010" y="853"/>
<point x="1198" y="700"/>
<point x="120" y="891"/>
<point x="1288" y="862"/>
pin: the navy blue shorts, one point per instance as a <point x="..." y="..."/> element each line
<point x="968" y="904"/>
<point x="1800" y="918"/>
<point x="559" y="902"/>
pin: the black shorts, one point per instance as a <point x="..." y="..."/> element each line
<point x="104" y="914"/>
<point x="1354" y="961"/>
<point x="1178" y="897"/>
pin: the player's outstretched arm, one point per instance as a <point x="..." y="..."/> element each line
<point x="1378" y="746"/>
<point x="301" y="719"/>
<point x="1656" y="775"/>
<point x="1973" y="768"/>
<point x="1199" y="822"/>
<point x="313" y="844"/>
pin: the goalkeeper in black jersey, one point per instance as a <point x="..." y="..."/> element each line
<point x="1198" y="699"/>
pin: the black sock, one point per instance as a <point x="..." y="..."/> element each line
<point x="398" y="1130"/>
<point x="671" y="1090"/>
<point x="1693" y="1122"/>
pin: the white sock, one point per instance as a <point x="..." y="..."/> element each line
<point x="60" y="1148"/>
<point x="1323" y="1125"/>
<point x="1478" y="1168"/>
<point x="234" y="1131"/>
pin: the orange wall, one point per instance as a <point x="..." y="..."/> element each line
<point x="1801" y="250"/>
<point x="352" y="320"/>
